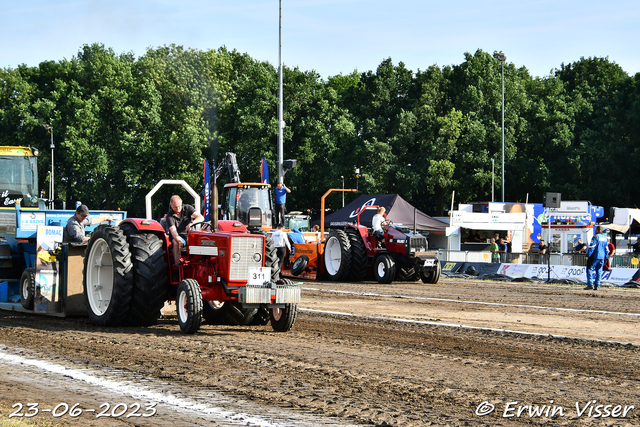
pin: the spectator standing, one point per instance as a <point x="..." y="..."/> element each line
<point x="503" y="250"/>
<point x="636" y="246"/>
<point x="495" y="256"/>
<point x="609" y="261"/>
<point x="281" y="199"/>
<point x="597" y="251"/>
<point x="542" y="250"/>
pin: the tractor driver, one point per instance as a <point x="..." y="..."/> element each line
<point x="179" y="221"/>
<point x="378" y="222"/>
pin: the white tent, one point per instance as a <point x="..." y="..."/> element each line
<point x="624" y="219"/>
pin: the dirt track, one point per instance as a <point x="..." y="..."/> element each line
<point x="371" y="367"/>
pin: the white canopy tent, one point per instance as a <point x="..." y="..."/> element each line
<point x="623" y="220"/>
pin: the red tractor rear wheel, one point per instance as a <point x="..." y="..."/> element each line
<point x="108" y="277"/>
<point x="150" y="281"/>
<point x="359" y="256"/>
<point x="213" y="312"/>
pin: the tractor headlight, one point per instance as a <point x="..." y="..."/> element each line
<point x="235" y="257"/>
<point x="257" y="257"/>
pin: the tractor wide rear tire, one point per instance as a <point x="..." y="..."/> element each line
<point x="271" y="259"/>
<point x="213" y="312"/>
<point x="337" y="255"/>
<point x="236" y="315"/>
<point x="358" y="269"/>
<point x="150" y="281"/>
<point x="108" y="277"/>
<point x="407" y="274"/>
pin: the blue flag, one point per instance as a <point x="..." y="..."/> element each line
<point x="207" y="192"/>
<point x="264" y="172"/>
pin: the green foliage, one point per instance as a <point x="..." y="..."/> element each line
<point x="121" y="124"/>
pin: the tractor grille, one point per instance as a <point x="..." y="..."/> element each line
<point x="417" y="244"/>
<point x="246" y="247"/>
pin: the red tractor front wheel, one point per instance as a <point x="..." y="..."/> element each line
<point x="189" y="306"/>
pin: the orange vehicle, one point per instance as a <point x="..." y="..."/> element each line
<point x="351" y="252"/>
<point x="323" y="255"/>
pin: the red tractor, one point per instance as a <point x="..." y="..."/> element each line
<point x="227" y="276"/>
<point x="401" y="254"/>
<point x="352" y="253"/>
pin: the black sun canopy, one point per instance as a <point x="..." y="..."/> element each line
<point x="398" y="210"/>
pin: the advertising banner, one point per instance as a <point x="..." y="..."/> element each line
<point x="617" y="276"/>
<point x="47" y="278"/>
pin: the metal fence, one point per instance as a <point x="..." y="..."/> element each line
<point x="622" y="261"/>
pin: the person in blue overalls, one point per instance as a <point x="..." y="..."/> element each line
<point x="281" y="198"/>
<point x="596" y="253"/>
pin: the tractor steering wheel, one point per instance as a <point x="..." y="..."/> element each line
<point x="202" y="226"/>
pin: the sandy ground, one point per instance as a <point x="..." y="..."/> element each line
<point x="405" y="354"/>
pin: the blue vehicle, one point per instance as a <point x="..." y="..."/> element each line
<point x="22" y="210"/>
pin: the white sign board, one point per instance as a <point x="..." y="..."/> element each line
<point x="259" y="275"/>
<point x="45" y="295"/>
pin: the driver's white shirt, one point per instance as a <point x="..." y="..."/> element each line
<point x="377" y="221"/>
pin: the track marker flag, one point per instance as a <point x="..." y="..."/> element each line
<point x="207" y="192"/>
<point x="264" y="172"/>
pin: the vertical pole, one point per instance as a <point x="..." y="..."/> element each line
<point x="52" y="175"/>
<point x="502" y="131"/>
<point x="342" y="176"/>
<point x="214" y="202"/>
<point x="549" y="246"/>
<point x="493" y="176"/>
<point x="280" y="113"/>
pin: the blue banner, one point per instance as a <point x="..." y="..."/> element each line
<point x="264" y="172"/>
<point x="207" y="192"/>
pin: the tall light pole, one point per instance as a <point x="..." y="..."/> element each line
<point x="342" y="176"/>
<point x="493" y="175"/>
<point x="502" y="57"/>
<point x="50" y="129"/>
<point x="280" y="113"/>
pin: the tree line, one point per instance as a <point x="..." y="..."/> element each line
<point x="122" y="123"/>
